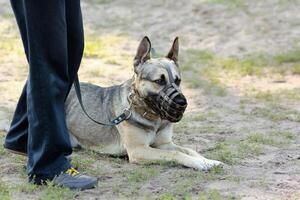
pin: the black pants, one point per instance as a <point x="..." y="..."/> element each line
<point x="52" y="34"/>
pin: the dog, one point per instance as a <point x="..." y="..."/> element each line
<point x="155" y="101"/>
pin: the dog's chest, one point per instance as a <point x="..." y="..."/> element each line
<point x="152" y="136"/>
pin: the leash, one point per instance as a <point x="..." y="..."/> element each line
<point x="123" y="116"/>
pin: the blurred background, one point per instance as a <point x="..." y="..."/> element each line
<point x="240" y="62"/>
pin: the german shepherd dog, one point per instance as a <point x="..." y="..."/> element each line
<point x="155" y="101"/>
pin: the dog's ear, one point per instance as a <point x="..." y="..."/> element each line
<point x="143" y="52"/>
<point x="173" y="53"/>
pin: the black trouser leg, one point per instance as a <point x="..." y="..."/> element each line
<point x="16" y="138"/>
<point x="51" y="71"/>
<point x="75" y="37"/>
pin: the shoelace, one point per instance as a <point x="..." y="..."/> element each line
<point x="72" y="171"/>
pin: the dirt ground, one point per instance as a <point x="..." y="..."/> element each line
<point x="240" y="61"/>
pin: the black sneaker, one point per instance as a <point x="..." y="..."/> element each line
<point x="74" y="180"/>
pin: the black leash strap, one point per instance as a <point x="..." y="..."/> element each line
<point x="125" y="115"/>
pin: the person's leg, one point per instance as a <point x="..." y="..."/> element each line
<point x="47" y="87"/>
<point x="17" y="135"/>
<point x="16" y="138"/>
<point x="75" y="37"/>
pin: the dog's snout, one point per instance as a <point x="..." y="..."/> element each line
<point x="181" y="100"/>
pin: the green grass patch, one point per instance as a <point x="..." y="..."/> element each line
<point x="277" y="96"/>
<point x="242" y="67"/>
<point x="229" y="3"/>
<point x="10" y="45"/>
<point x="82" y="162"/>
<point x="4" y="192"/>
<point x="161" y="163"/>
<point x="10" y="49"/>
<point x="103" y="1"/>
<point x="7" y="191"/>
<point x="285" y="135"/>
<point x="261" y="139"/>
<point x="108" y="48"/>
<point x="232" y="152"/>
<point x="214" y="194"/>
<point x="189" y="179"/>
<point x="198" y="74"/>
<point x="141" y="174"/>
<point x="288" y="57"/>
<point x="190" y="123"/>
<point x="296" y="69"/>
<point x="203" y="69"/>
<point x="274" y="138"/>
<point x="277" y="113"/>
<point x="51" y="192"/>
<point x="26" y="188"/>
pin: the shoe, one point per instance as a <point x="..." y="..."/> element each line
<point x="74" y="180"/>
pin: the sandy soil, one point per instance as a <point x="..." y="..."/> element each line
<point x="227" y="29"/>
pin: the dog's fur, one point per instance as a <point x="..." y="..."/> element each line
<point x="144" y="136"/>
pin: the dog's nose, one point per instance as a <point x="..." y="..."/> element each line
<point x="181" y="100"/>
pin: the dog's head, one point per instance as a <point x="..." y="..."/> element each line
<point x="157" y="81"/>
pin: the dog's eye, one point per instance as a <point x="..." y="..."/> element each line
<point x="177" y="81"/>
<point x="160" y="81"/>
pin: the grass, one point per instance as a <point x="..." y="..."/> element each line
<point x="213" y="194"/>
<point x="197" y="122"/>
<point x="189" y="181"/>
<point x="234" y="151"/>
<point x="230" y="3"/>
<point x="287" y="135"/>
<point x="103" y="1"/>
<point x="49" y="192"/>
<point x="243" y="150"/>
<point x="141" y="174"/>
<point x="210" y="194"/>
<point x="81" y="162"/>
<point x="4" y="192"/>
<point x="26" y="188"/>
<point x="205" y="70"/>
<point x="108" y="48"/>
<point x="149" y="174"/>
<point x="277" y="96"/>
<point x="296" y="69"/>
<point x="11" y="50"/>
<point x="288" y="57"/>
<point x="199" y="75"/>
<point x="277" y="113"/>
<point x="52" y="192"/>
<point x="242" y="67"/>
<point x="260" y="139"/>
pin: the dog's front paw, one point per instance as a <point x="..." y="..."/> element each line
<point x="206" y="164"/>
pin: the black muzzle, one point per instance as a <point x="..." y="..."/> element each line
<point x="169" y="103"/>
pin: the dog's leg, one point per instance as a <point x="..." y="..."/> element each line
<point x="139" y="151"/>
<point x="142" y="154"/>
<point x="164" y="141"/>
<point x="190" y="152"/>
